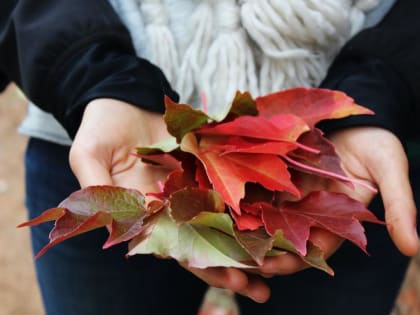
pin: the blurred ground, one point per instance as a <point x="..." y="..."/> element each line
<point x="19" y="293"/>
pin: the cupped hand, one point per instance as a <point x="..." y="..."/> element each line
<point x="375" y="156"/>
<point x="101" y="155"/>
<point x="110" y="131"/>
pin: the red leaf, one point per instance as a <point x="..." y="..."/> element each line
<point x="229" y="173"/>
<point x="121" y="210"/>
<point x="240" y="144"/>
<point x="186" y="204"/>
<point x="223" y="177"/>
<point x="176" y="180"/>
<point x="257" y="243"/>
<point x="277" y="128"/>
<point x="334" y="212"/>
<point x="325" y="163"/>
<point x="246" y="221"/>
<point x="46" y="216"/>
<point x="312" y="105"/>
<point x="70" y="225"/>
<point x="265" y="169"/>
<point x="201" y="177"/>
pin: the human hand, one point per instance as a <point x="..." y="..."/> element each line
<point x="100" y="155"/>
<point x="376" y="156"/>
<point x="110" y="131"/>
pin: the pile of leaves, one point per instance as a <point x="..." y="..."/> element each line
<point x="240" y="188"/>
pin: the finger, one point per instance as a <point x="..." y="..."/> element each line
<point x="89" y="171"/>
<point x="227" y="278"/>
<point x="397" y="196"/>
<point x="141" y="176"/>
<point x="283" y="264"/>
<point x="256" y="289"/>
<point x="326" y="241"/>
<point x="235" y="280"/>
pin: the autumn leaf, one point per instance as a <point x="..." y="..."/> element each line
<point x="334" y="212"/>
<point x="277" y="128"/>
<point x="186" y="204"/>
<point x="164" y="146"/>
<point x="257" y="243"/>
<point x="219" y="172"/>
<point x="244" y="145"/>
<point x="182" y="118"/>
<point x="121" y="210"/>
<point x="230" y="172"/>
<point x="198" y="245"/>
<point x="243" y="104"/>
<point x="312" y="105"/>
<point x="326" y="159"/>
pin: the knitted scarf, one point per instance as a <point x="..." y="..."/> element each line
<point x="217" y="47"/>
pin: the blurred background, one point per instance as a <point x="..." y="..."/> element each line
<point x="19" y="294"/>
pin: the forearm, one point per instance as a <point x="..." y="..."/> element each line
<point x="82" y="52"/>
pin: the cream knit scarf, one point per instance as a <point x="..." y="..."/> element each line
<point x="217" y="47"/>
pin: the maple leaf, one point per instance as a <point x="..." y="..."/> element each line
<point x="230" y="172"/>
<point x="312" y="105"/>
<point x="284" y="127"/>
<point x="121" y="210"/>
<point x="326" y="160"/>
<point x="259" y="245"/>
<point x="335" y="212"/>
<point x="246" y="145"/>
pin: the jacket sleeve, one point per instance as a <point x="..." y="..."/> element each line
<point x="4" y="81"/>
<point x="63" y="54"/>
<point x="380" y="69"/>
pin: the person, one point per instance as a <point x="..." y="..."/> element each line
<point x="78" y="62"/>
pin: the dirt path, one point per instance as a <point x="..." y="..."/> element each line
<point x="19" y="293"/>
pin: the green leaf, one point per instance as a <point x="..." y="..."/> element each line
<point x="164" y="146"/>
<point x="198" y="245"/>
<point x="314" y="257"/>
<point x="219" y="221"/>
<point x="182" y="118"/>
<point x="243" y="104"/>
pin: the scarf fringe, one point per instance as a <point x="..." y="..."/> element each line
<point x="217" y="47"/>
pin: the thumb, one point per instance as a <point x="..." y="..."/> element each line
<point x="391" y="175"/>
<point x="89" y="171"/>
<point x="88" y="164"/>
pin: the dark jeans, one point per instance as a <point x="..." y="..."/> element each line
<point x="78" y="277"/>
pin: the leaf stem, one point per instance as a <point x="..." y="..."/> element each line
<point x="331" y="174"/>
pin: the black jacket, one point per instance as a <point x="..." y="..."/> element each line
<point x="65" y="53"/>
